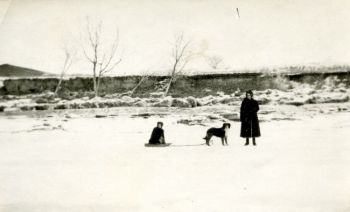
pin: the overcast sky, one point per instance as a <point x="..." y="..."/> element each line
<point x="268" y="32"/>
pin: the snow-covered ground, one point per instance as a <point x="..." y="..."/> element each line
<point x="72" y="161"/>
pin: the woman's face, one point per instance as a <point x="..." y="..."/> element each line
<point x="249" y="96"/>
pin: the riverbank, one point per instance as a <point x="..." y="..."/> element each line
<point x="303" y="94"/>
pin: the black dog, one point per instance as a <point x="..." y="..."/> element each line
<point x="218" y="132"/>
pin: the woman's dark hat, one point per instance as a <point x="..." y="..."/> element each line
<point x="249" y="92"/>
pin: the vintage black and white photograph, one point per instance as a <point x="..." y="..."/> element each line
<point x="174" y="105"/>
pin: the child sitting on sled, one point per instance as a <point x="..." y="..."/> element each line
<point x="157" y="136"/>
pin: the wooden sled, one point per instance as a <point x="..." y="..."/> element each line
<point x="157" y="145"/>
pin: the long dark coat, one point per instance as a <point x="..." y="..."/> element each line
<point x="157" y="133"/>
<point x="249" y="118"/>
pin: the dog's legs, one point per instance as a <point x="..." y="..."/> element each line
<point x="226" y="140"/>
<point x="223" y="141"/>
<point x="207" y="139"/>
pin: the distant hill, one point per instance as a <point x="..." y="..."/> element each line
<point x="7" y="70"/>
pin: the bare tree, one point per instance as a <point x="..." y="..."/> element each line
<point x="103" y="60"/>
<point x="181" y="55"/>
<point x="214" y="61"/>
<point x="69" y="59"/>
<point x="143" y="78"/>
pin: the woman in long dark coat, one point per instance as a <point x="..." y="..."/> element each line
<point x="249" y="118"/>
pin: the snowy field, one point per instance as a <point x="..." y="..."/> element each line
<point x="72" y="161"/>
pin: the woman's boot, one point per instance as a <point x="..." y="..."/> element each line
<point x="246" y="142"/>
<point x="254" y="141"/>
